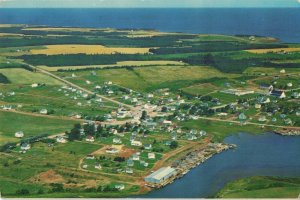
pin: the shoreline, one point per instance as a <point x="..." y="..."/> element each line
<point x="288" y="132"/>
<point x="191" y="160"/>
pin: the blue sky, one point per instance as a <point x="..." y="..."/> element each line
<point x="147" y="3"/>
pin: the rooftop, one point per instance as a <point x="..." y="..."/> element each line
<point x="162" y="172"/>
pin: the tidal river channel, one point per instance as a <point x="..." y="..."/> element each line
<point x="256" y="155"/>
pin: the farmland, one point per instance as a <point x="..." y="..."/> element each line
<point x="89" y="112"/>
<point x="22" y="76"/>
<point x="13" y="122"/>
<point x="87" y="49"/>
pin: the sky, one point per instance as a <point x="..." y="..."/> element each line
<point x="145" y="3"/>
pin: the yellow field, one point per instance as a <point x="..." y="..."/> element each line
<point x="87" y="49"/>
<point x="10" y="34"/>
<point x="119" y="64"/>
<point x="60" y="29"/>
<point x="275" y="50"/>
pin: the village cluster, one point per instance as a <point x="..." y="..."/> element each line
<point x="128" y="132"/>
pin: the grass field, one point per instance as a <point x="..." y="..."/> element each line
<point x="262" y="187"/>
<point x="118" y="64"/>
<point x="87" y="49"/>
<point x="22" y="76"/>
<point x="200" y="89"/>
<point x="275" y="50"/>
<point x="269" y="70"/>
<point x="48" y="97"/>
<point x="149" y="78"/>
<point x="30" y="125"/>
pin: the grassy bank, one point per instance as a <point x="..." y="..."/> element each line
<point x="261" y="187"/>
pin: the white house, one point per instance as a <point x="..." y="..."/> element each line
<point x="135" y="157"/>
<point x="98" y="166"/>
<point x="148" y="146"/>
<point x="78" y="116"/>
<point x="90" y="157"/>
<point x="117" y="141"/>
<point x="136" y="143"/>
<point x="34" y="85"/>
<point x="44" y="111"/>
<point x="166" y="122"/>
<point x="150" y="95"/>
<point x="90" y="138"/>
<point x="19" y="134"/>
<point x="25" y="146"/>
<point x="262" y="119"/>
<point x="61" y="139"/>
<point x="7" y="107"/>
<point x="134" y="100"/>
<point x="120" y="187"/>
<point x="99" y="100"/>
<point x="257" y="106"/>
<point x="112" y="150"/>
<point x="151" y="155"/>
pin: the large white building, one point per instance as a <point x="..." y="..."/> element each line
<point x="160" y="175"/>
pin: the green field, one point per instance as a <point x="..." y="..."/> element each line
<point x="30" y="125"/>
<point x="262" y="187"/>
<point x="22" y="76"/>
<point x="148" y="78"/>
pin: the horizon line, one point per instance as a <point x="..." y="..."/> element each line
<point x="260" y="7"/>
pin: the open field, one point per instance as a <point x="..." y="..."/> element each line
<point x="52" y="98"/>
<point x="149" y="78"/>
<point x="22" y="76"/>
<point x="262" y="187"/>
<point x="30" y="125"/>
<point x="201" y="89"/>
<point x="275" y="50"/>
<point x="86" y="49"/>
<point x="118" y="64"/>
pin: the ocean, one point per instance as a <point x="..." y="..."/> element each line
<point x="282" y="23"/>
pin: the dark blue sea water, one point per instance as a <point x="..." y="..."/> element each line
<point x="256" y="155"/>
<point x="283" y="23"/>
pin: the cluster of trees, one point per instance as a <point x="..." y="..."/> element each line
<point x="102" y="131"/>
<point x="7" y="147"/>
<point x="82" y="59"/>
<point x="4" y="79"/>
<point x="198" y="109"/>
<point x="34" y="139"/>
<point x="111" y="39"/>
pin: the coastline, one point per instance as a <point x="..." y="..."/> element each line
<point x="191" y="160"/>
<point x="288" y="132"/>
